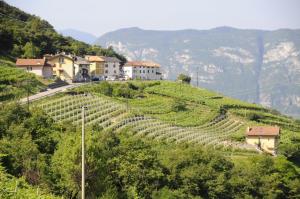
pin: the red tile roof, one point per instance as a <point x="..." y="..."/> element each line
<point x="31" y="62"/>
<point x="263" y="131"/>
<point x="94" y="58"/>
<point x="142" y="63"/>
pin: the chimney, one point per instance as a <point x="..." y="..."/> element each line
<point x="248" y="129"/>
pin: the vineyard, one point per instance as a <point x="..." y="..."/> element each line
<point x="114" y="116"/>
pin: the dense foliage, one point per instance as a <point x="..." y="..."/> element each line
<point x="119" y="166"/>
<point x="184" y="78"/>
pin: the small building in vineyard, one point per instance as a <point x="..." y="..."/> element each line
<point x="264" y="137"/>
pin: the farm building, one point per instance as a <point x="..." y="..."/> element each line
<point x="264" y="137"/>
<point x="37" y="66"/>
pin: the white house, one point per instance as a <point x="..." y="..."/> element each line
<point x="142" y="70"/>
<point x="37" y="66"/>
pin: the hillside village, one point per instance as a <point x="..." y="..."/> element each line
<point x="87" y="123"/>
<point x="74" y="69"/>
<point x="71" y="68"/>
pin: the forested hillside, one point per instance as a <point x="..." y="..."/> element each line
<point x="25" y="35"/>
<point x="28" y="36"/>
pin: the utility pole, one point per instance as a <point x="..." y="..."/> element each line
<point x="83" y="155"/>
<point x="197" y="78"/>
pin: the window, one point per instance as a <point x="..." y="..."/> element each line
<point x="98" y="69"/>
<point x="61" y="60"/>
<point x="152" y="71"/>
<point x="148" y="71"/>
<point x="106" y="71"/>
<point x="115" y="71"/>
<point x="140" y="71"/>
<point x="114" y="65"/>
<point x="143" y="71"/>
<point x="106" y="65"/>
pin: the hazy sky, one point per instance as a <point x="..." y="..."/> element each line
<point x="100" y="16"/>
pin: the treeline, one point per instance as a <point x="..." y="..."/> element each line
<point x="48" y="155"/>
<point x="28" y="36"/>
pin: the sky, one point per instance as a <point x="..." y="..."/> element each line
<point x="100" y="16"/>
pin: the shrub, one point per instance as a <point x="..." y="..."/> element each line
<point x="254" y="117"/>
<point x="184" y="78"/>
<point x="178" y="105"/>
<point x="106" y="88"/>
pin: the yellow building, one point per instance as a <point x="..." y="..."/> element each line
<point x="263" y="137"/>
<point x="63" y="66"/>
<point x="96" y="65"/>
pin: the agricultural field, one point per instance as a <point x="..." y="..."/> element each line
<point x="166" y="111"/>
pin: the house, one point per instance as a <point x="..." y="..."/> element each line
<point x="37" y="66"/>
<point x="104" y="67"/>
<point x="69" y="68"/>
<point x="264" y="137"/>
<point x="82" y="69"/>
<point x="111" y="67"/>
<point x="96" y="66"/>
<point x="63" y="66"/>
<point x="142" y="70"/>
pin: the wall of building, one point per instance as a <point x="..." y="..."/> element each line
<point x="97" y="69"/>
<point x="68" y="68"/>
<point x="128" y="72"/>
<point x="111" y="69"/>
<point x="266" y="142"/>
<point x="38" y="70"/>
<point x="140" y="72"/>
<point x="47" y="72"/>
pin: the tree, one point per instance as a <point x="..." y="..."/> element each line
<point x="30" y="50"/>
<point x="135" y="169"/>
<point x="184" y="78"/>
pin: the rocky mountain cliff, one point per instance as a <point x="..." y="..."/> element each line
<point x="253" y="65"/>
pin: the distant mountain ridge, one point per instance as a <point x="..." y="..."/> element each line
<point x="257" y="66"/>
<point x="79" y="35"/>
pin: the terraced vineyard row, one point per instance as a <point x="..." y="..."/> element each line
<point x="114" y="116"/>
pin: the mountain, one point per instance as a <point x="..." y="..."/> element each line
<point x="79" y="35"/>
<point x="253" y="65"/>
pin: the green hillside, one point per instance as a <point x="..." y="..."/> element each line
<point x="155" y="139"/>
<point x="174" y="112"/>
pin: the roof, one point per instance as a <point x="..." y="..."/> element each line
<point x="111" y="59"/>
<point x="263" y="131"/>
<point x="94" y="58"/>
<point x="80" y="60"/>
<point x="31" y="62"/>
<point x="142" y="63"/>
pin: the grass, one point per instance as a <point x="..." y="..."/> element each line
<point x="14" y="82"/>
